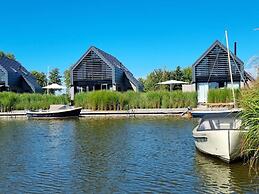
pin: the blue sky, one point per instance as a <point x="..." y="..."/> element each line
<point x="143" y="35"/>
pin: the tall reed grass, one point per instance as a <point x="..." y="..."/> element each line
<point x="222" y="95"/>
<point x="250" y="120"/>
<point x="111" y="100"/>
<point x="13" y="101"/>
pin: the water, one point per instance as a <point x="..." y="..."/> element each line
<point x="112" y="156"/>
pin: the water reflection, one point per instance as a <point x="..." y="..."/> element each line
<point x="147" y="155"/>
<point x="218" y="177"/>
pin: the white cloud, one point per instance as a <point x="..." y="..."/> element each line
<point x="253" y="65"/>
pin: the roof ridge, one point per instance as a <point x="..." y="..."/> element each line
<point x="217" y="42"/>
<point x="118" y="63"/>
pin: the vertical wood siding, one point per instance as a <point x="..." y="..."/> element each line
<point x="92" y="67"/>
<point x="214" y="67"/>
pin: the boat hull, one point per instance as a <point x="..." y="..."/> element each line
<point x="224" y="144"/>
<point x="202" y="113"/>
<point x="55" y="114"/>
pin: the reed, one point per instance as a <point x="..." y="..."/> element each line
<point x="12" y="101"/>
<point x="110" y="100"/>
<point x="7" y="101"/>
<point x="250" y="120"/>
<point x="222" y="95"/>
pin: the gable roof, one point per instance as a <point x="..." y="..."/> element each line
<point x="112" y="62"/>
<point x="217" y="43"/>
<point x="16" y="71"/>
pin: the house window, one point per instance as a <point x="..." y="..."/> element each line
<point x="213" y="85"/>
<point x="222" y="84"/>
<point x="104" y="86"/>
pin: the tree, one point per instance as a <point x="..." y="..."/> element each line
<point x="187" y="74"/>
<point x="2" y="53"/>
<point x="54" y="76"/>
<point x="40" y="77"/>
<point x="67" y="78"/>
<point x="178" y="74"/>
<point x="8" y="55"/>
<point x="160" y="75"/>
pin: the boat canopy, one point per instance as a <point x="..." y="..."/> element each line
<point x="219" y="123"/>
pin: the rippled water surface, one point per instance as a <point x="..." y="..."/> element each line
<point x="112" y="156"/>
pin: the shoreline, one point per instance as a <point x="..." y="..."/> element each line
<point x="119" y="113"/>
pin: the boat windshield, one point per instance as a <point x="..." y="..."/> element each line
<point x="220" y="124"/>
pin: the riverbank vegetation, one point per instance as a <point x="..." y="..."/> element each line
<point x="250" y="119"/>
<point x="13" y="101"/>
<point x="223" y="95"/>
<point x="110" y="100"/>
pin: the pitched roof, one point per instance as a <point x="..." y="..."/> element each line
<point x="217" y="43"/>
<point x="16" y="70"/>
<point x="112" y="61"/>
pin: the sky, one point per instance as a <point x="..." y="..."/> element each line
<point x="143" y="35"/>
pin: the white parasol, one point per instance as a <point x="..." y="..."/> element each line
<point x="172" y="82"/>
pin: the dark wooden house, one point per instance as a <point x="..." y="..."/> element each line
<point x="98" y="70"/>
<point x="211" y="70"/>
<point x="14" y="77"/>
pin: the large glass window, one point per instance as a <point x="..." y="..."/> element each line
<point x="213" y="85"/>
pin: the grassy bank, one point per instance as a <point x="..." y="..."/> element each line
<point x="110" y="100"/>
<point x="250" y="119"/>
<point x="222" y="95"/>
<point x="13" y="101"/>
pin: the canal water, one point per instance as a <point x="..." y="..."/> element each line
<point x="138" y="155"/>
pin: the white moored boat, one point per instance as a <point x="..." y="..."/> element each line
<point x="219" y="135"/>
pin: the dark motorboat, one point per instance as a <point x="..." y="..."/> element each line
<point x="55" y="111"/>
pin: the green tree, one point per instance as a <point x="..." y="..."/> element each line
<point x="8" y="55"/>
<point x="152" y="80"/>
<point x="178" y="74"/>
<point x="187" y="74"/>
<point x="40" y="77"/>
<point x="67" y="78"/>
<point x="54" y="76"/>
<point x="1" y="53"/>
<point x="160" y="75"/>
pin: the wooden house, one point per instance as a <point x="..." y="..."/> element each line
<point x="15" y="78"/>
<point x="211" y="70"/>
<point x="98" y="70"/>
